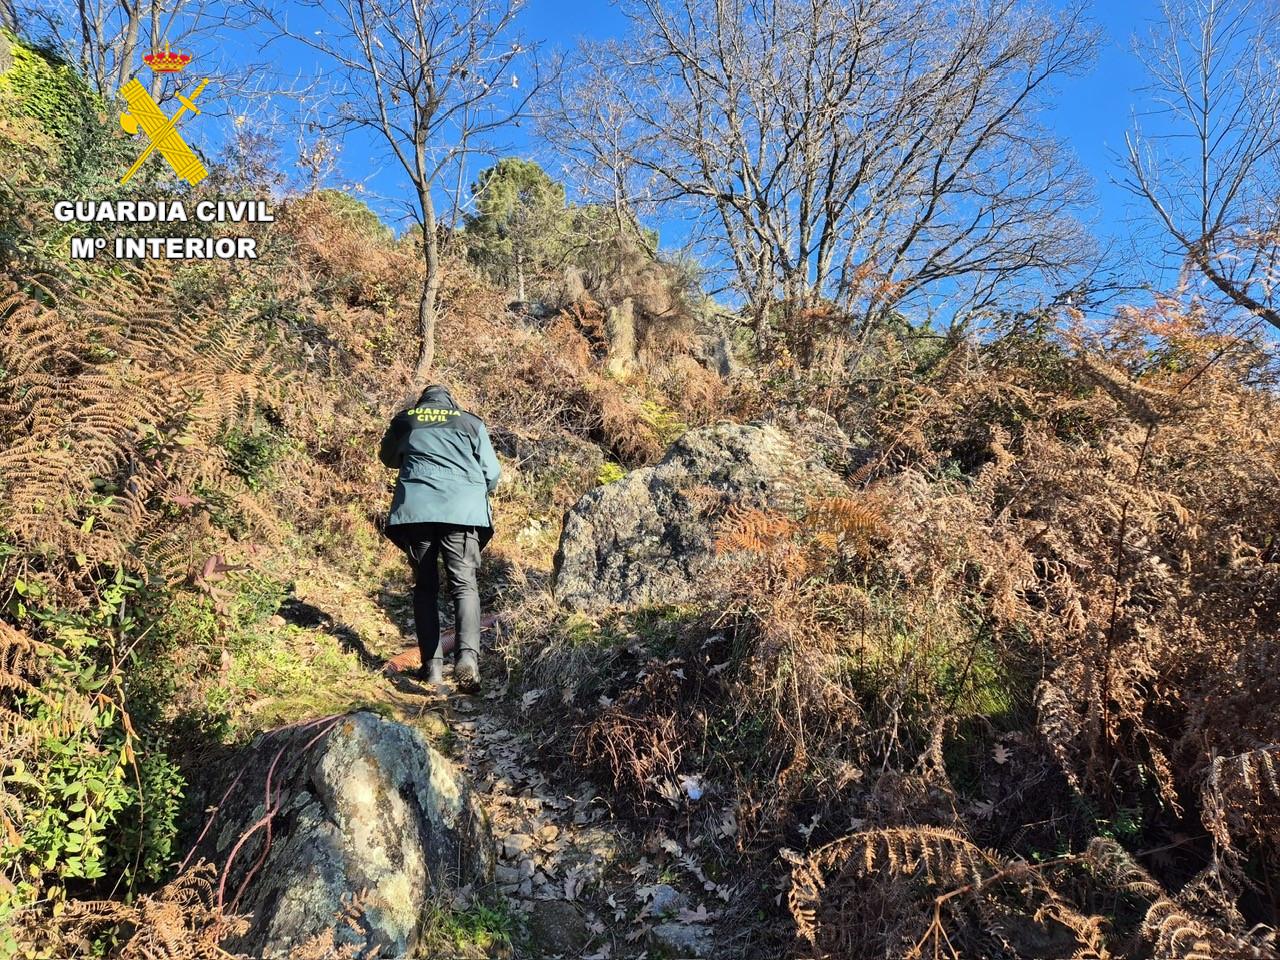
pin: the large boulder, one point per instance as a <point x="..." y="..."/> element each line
<point x="650" y="537"/>
<point x="369" y="824"/>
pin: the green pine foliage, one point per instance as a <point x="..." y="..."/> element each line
<point x="518" y="233"/>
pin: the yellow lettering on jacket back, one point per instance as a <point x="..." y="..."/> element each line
<point x="432" y="414"/>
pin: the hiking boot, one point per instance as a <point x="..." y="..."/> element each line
<point x="432" y="673"/>
<point x="467" y="672"/>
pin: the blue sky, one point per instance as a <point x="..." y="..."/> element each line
<point x="1091" y="113"/>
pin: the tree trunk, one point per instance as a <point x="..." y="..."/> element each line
<point x="128" y="49"/>
<point x="426" y="333"/>
<point x="760" y="321"/>
<point x="430" y="291"/>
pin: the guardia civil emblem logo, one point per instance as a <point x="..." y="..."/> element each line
<point x="160" y="131"/>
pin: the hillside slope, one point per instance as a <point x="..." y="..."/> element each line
<point x="1004" y="686"/>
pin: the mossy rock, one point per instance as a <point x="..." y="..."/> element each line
<point x="361" y="804"/>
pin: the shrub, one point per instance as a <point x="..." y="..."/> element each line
<point x="251" y="453"/>
<point x="84" y="800"/>
<point x="1047" y="593"/>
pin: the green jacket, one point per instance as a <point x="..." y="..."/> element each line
<point x="446" y="462"/>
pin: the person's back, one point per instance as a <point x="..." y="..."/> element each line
<point x="441" y="511"/>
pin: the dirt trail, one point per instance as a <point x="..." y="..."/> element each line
<point x="582" y="884"/>
<point x="585" y="885"/>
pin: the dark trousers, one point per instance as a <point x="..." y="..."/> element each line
<point x="459" y="548"/>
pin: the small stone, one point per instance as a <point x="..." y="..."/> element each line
<point x="516" y="845"/>
<point x="506" y="875"/>
<point x="548" y="832"/>
<point x="683" y="939"/>
<point x="526" y="888"/>
<point x="526" y="868"/>
<point x="665" y="900"/>
<point x="557" y="927"/>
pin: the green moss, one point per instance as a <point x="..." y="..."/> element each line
<point x="610" y="472"/>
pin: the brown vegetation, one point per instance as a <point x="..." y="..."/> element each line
<point x="1044" y="614"/>
<point x="1011" y="693"/>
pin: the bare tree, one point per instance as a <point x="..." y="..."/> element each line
<point x="8" y="15"/>
<point x="434" y="81"/>
<point x="1210" y="171"/>
<point x="590" y="128"/>
<point x="107" y="38"/>
<point x="874" y="153"/>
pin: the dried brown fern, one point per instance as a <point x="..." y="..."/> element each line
<point x="827" y="881"/>
<point x="111" y="404"/>
<point x="1241" y="798"/>
<point x="177" y="922"/>
<point x="998" y="890"/>
<point x="752" y="530"/>
<point x="1176" y="926"/>
<point x="849" y="520"/>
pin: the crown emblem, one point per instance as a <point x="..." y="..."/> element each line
<point x="166" y="61"/>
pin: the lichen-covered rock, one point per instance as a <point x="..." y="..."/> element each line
<point x="649" y="537"/>
<point x="368" y="821"/>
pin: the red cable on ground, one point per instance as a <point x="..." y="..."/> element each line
<point x="271" y="809"/>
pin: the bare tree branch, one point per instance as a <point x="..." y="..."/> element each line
<point x="435" y="81"/>
<point x="876" y="153"/>
<point x="1211" y="172"/>
<point x="108" y="38"/>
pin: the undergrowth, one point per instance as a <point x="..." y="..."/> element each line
<point x="1025" y="656"/>
<point x="177" y="445"/>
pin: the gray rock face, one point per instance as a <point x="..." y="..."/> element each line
<point x="369" y="822"/>
<point x="649" y="537"/>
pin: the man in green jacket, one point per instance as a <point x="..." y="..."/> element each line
<point x="441" y="511"/>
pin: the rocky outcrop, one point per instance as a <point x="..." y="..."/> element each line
<point x="350" y="824"/>
<point x="650" y="536"/>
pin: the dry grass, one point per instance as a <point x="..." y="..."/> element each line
<point x="1045" y="608"/>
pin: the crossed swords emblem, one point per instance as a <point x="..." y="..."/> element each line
<point x="162" y="133"/>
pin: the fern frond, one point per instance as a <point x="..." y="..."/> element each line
<point x="751" y="530"/>
<point x="1241" y="797"/>
<point x="843" y="517"/>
